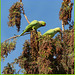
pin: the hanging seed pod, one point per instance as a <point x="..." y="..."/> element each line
<point x="65" y="11"/>
<point x="7" y="47"/>
<point x="8" y="69"/>
<point x="15" y="15"/>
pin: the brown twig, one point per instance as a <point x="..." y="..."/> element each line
<point x="20" y="0"/>
<point x="12" y="37"/>
<point x="18" y="71"/>
<point x="63" y="26"/>
<point x="16" y="36"/>
<point x="24" y="13"/>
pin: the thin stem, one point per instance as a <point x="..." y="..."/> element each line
<point x="24" y="13"/>
<point x="63" y="26"/>
<point x="12" y="37"/>
<point x="26" y="18"/>
<point x="16" y="36"/>
<point x="18" y="71"/>
<point x="20" y="0"/>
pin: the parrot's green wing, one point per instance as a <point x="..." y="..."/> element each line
<point x="50" y="32"/>
<point x="30" y="27"/>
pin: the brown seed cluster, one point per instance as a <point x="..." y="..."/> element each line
<point x="65" y="11"/>
<point x="37" y="56"/>
<point x="15" y="15"/>
<point x="7" y="47"/>
<point x="8" y="69"/>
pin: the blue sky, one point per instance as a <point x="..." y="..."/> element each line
<point x="46" y="10"/>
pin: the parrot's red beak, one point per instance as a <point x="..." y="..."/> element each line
<point x="45" y="25"/>
<point x="60" y="30"/>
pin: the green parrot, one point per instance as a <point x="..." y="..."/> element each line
<point x="33" y="25"/>
<point x="51" y="32"/>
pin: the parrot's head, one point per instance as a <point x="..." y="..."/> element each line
<point x="42" y="23"/>
<point x="58" y="30"/>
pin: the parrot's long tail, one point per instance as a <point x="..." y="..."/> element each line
<point x="23" y="33"/>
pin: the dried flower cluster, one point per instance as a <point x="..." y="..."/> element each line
<point x="65" y="11"/>
<point x="7" y="47"/>
<point x="68" y="52"/>
<point x="15" y="15"/>
<point x="8" y="69"/>
<point x="37" y="57"/>
<point x="47" y="56"/>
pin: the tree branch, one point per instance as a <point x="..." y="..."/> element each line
<point x="24" y="13"/>
<point x="18" y="71"/>
<point x="12" y="37"/>
<point x="16" y="36"/>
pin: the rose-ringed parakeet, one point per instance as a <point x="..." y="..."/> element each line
<point x="51" y="32"/>
<point x="33" y="25"/>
